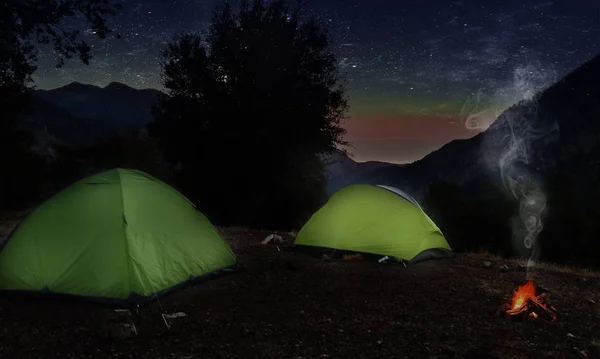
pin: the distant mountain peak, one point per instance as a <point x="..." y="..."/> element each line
<point x="77" y="86"/>
<point x="117" y="86"/>
<point x="79" y="114"/>
<point x="556" y="130"/>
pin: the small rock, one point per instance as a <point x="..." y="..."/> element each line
<point x="584" y="280"/>
<point x="591" y="301"/>
<point x="175" y="315"/>
<point x="503" y="268"/>
<point x="273" y="237"/>
<point x="486" y="264"/>
<point x="119" y="324"/>
<point x="584" y="354"/>
<point x="121" y="331"/>
<point x="570" y="335"/>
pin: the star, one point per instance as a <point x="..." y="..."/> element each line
<point x="402" y="59"/>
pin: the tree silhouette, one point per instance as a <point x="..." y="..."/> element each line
<point x="571" y="229"/>
<point x="251" y="107"/>
<point x="23" y="24"/>
<point x="478" y="221"/>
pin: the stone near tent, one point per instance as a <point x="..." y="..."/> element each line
<point x="276" y="238"/>
<point x="119" y="325"/>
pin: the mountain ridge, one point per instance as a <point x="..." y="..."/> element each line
<point x="79" y="114"/>
<point x="548" y="130"/>
<point x="76" y="115"/>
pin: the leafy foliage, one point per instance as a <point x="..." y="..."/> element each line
<point x="571" y="228"/>
<point x="130" y="149"/>
<point x="25" y="23"/>
<point x="482" y="220"/>
<point x="488" y="220"/>
<point x="251" y="107"/>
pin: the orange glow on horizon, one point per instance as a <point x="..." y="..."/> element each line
<point x="402" y="138"/>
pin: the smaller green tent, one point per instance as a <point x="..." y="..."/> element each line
<point x="377" y="220"/>
<point x="121" y="236"/>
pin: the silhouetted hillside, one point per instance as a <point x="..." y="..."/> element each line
<point x="116" y="103"/>
<point x="560" y="126"/>
<point x="479" y="190"/>
<point x="78" y="114"/>
<point x="343" y="170"/>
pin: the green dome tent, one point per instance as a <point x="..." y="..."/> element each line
<point x="376" y="220"/>
<point x="120" y="236"/>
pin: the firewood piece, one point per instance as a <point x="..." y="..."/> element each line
<point x="538" y="306"/>
<point x="525" y="307"/>
<point x="543" y="298"/>
<point x="519" y="314"/>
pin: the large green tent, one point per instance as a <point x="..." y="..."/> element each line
<point x="376" y="220"/>
<point x="122" y="236"/>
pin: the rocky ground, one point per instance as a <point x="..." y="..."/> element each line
<point x="286" y="305"/>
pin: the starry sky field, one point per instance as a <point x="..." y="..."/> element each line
<point x="421" y="72"/>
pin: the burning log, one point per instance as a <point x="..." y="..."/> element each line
<point x="518" y="314"/>
<point x="533" y="308"/>
<point x="539" y="305"/>
<point x="526" y="304"/>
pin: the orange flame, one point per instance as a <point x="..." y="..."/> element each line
<point x="521" y="296"/>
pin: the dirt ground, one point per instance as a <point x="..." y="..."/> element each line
<point x="287" y="305"/>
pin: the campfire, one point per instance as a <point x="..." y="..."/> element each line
<point x="525" y="303"/>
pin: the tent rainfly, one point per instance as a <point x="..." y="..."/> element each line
<point x="375" y="220"/>
<point x="121" y="236"/>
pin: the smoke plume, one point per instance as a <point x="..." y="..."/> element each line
<point x="518" y="135"/>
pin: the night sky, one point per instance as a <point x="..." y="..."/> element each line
<point x="417" y="68"/>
